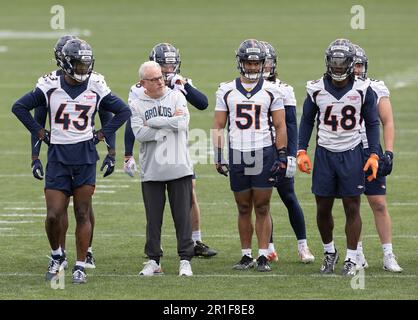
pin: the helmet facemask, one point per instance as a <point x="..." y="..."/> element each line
<point x="270" y="64"/>
<point x="339" y="66"/>
<point x="80" y="69"/>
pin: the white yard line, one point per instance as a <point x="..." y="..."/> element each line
<point x="16" y="222"/>
<point x="220" y="275"/>
<point x="173" y="236"/>
<point x="22" y="215"/>
<point x="14" y="35"/>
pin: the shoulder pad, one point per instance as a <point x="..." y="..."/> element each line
<point x="48" y="81"/>
<point x="380" y="88"/>
<point x="98" y="84"/>
<point x="314" y="85"/>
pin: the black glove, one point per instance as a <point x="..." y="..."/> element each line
<point x="109" y="164"/>
<point x="278" y="169"/>
<point x="221" y="164"/>
<point x="37" y="169"/>
<point x="98" y="136"/>
<point x="386" y="163"/>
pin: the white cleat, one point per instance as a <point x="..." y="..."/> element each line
<point x="361" y="262"/>
<point x="390" y="264"/>
<point x="305" y="255"/>
<point x="150" y="269"/>
<point x="185" y="268"/>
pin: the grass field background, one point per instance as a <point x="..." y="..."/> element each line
<point x="207" y="34"/>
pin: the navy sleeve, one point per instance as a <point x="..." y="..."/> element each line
<point x="129" y="139"/>
<point x="292" y="130"/>
<point x="40" y="117"/>
<point x="371" y="120"/>
<point x="22" y="107"/>
<point x="307" y="122"/>
<point x="105" y="117"/>
<point x="114" y="104"/>
<point x="196" y="98"/>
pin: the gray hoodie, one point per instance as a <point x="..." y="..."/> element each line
<point x="164" y="153"/>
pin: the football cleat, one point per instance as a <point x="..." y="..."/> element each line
<point x="90" y="262"/>
<point x="263" y="264"/>
<point x="245" y="263"/>
<point x="390" y="264"/>
<point x="361" y="261"/>
<point x="79" y="275"/>
<point x="56" y="265"/>
<point x="349" y="268"/>
<point x="273" y="256"/>
<point x="151" y="268"/>
<point x="305" y="255"/>
<point x="185" y="268"/>
<point x="202" y="250"/>
<point x="329" y="262"/>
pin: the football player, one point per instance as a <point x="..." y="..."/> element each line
<point x="285" y="185"/>
<point x="71" y="100"/>
<point x="375" y="190"/>
<point x="246" y="103"/>
<point x="40" y="115"/>
<point x="168" y="57"/>
<point x="339" y="101"/>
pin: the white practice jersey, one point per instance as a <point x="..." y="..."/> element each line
<point x="289" y="98"/>
<point x="71" y="116"/>
<point x="339" y="119"/>
<point x="289" y="94"/>
<point x="249" y="113"/>
<point x="380" y="89"/>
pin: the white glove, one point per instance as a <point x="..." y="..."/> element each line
<point x="129" y="166"/>
<point x="291" y="167"/>
<point x="177" y="83"/>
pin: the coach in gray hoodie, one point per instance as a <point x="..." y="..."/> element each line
<point x="160" y="121"/>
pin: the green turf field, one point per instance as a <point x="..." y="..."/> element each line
<point x="207" y="33"/>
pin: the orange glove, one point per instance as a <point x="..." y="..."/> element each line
<point x="373" y="164"/>
<point x="304" y="163"/>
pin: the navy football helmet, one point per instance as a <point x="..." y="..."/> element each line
<point x="339" y="59"/>
<point x="166" y="55"/>
<point x="78" y="60"/>
<point x="58" y="48"/>
<point x="271" y="60"/>
<point x="250" y="50"/>
<point x="361" y="58"/>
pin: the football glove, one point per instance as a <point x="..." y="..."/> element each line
<point x="37" y="169"/>
<point x="109" y="165"/>
<point x="220" y="163"/>
<point x="177" y="83"/>
<point x="386" y="164"/>
<point x="46" y="137"/>
<point x="129" y="166"/>
<point x="291" y="167"/>
<point x="98" y="136"/>
<point x="279" y="166"/>
<point x="303" y="161"/>
<point x="373" y="164"/>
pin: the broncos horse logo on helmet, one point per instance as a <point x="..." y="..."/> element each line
<point x="271" y="60"/>
<point x="58" y="48"/>
<point x="78" y="60"/>
<point x="339" y="59"/>
<point x="361" y="58"/>
<point x="168" y="57"/>
<point x="250" y="50"/>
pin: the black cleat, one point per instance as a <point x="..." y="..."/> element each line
<point x="90" y="262"/>
<point x="329" y="262"/>
<point x="245" y="263"/>
<point x="56" y="265"/>
<point x="79" y="275"/>
<point x="202" y="250"/>
<point x="348" y="269"/>
<point x="263" y="264"/>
